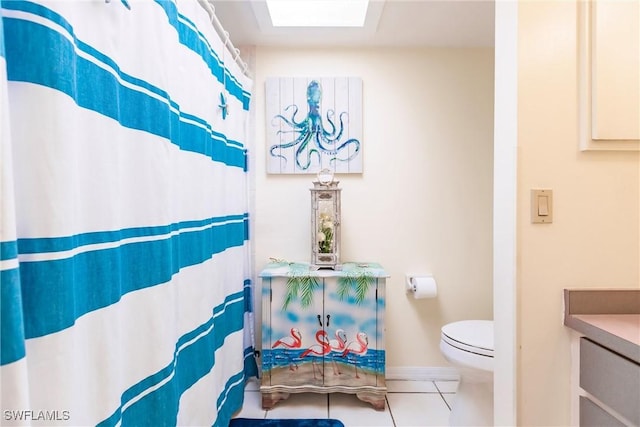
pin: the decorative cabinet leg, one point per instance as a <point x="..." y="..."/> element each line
<point x="377" y="400"/>
<point x="269" y="399"/>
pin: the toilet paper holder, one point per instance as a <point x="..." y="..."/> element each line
<point x="410" y="286"/>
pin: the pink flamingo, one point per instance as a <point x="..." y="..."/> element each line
<point x="318" y="350"/>
<point x="337" y="346"/>
<point x="358" y="347"/>
<point x="290" y="342"/>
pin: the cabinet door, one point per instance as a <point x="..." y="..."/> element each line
<point x="295" y="343"/>
<point x="616" y="70"/>
<point x="354" y="327"/>
<point x="609" y="75"/>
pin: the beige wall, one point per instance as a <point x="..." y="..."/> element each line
<point x="428" y="145"/>
<point x="424" y="201"/>
<point x="595" y="236"/>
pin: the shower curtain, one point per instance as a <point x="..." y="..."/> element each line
<point x="125" y="266"/>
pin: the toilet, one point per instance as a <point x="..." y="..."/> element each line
<point x="468" y="346"/>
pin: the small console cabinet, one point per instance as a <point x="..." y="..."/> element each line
<point x="323" y="331"/>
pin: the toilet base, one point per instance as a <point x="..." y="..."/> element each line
<point x="473" y="404"/>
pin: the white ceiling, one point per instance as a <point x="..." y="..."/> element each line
<point x="450" y="23"/>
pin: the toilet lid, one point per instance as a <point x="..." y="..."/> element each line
<point x="475" y="336"/>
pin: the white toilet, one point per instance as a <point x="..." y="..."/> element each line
<point x="468" y="346"/>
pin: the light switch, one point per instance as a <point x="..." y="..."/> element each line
<point x="541" y="206"/>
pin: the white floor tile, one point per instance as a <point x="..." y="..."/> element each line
<point x="252" y="406"/>
<point x="447" y="386"/>
<point x="418" y="409"/>
<point x="404" y="386"/>
<point x="410" y="404"/>
<point x="301" y="405"/>
<point x="355" y="413"/>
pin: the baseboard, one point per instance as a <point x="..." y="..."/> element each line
<point x="421" y="373"/>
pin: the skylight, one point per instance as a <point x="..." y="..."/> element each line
<point x="317" y="13"/>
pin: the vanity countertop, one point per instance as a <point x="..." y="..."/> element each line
<point x="609" y="317"/>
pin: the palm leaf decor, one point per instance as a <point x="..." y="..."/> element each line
<point x="358" y="281"/>
<point x="300" y="284"/>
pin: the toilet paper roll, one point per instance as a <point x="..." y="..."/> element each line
<point x="424" y="287"/>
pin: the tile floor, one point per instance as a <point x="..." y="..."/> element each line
<point x="409" y="404"/>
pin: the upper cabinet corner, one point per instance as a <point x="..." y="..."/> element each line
<point x="609" y="75"/>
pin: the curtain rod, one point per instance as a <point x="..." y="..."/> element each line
<point x="211" y="10"/>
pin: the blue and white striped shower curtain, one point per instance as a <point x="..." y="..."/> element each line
<point x="125" y="260"/>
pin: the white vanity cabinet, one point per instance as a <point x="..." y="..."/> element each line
<point x="323" y="331"/>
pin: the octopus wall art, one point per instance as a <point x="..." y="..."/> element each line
<point x="306" y="142"/>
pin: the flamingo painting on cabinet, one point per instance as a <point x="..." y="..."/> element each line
<point x="337" y="345"/>
<point x="318" y="350"/>
<point x="358" y="347"/>
<point x="290" y="342"/>
<point x="323" y="331"/>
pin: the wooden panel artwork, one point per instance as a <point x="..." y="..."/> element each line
<point x="313" y="124"/>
